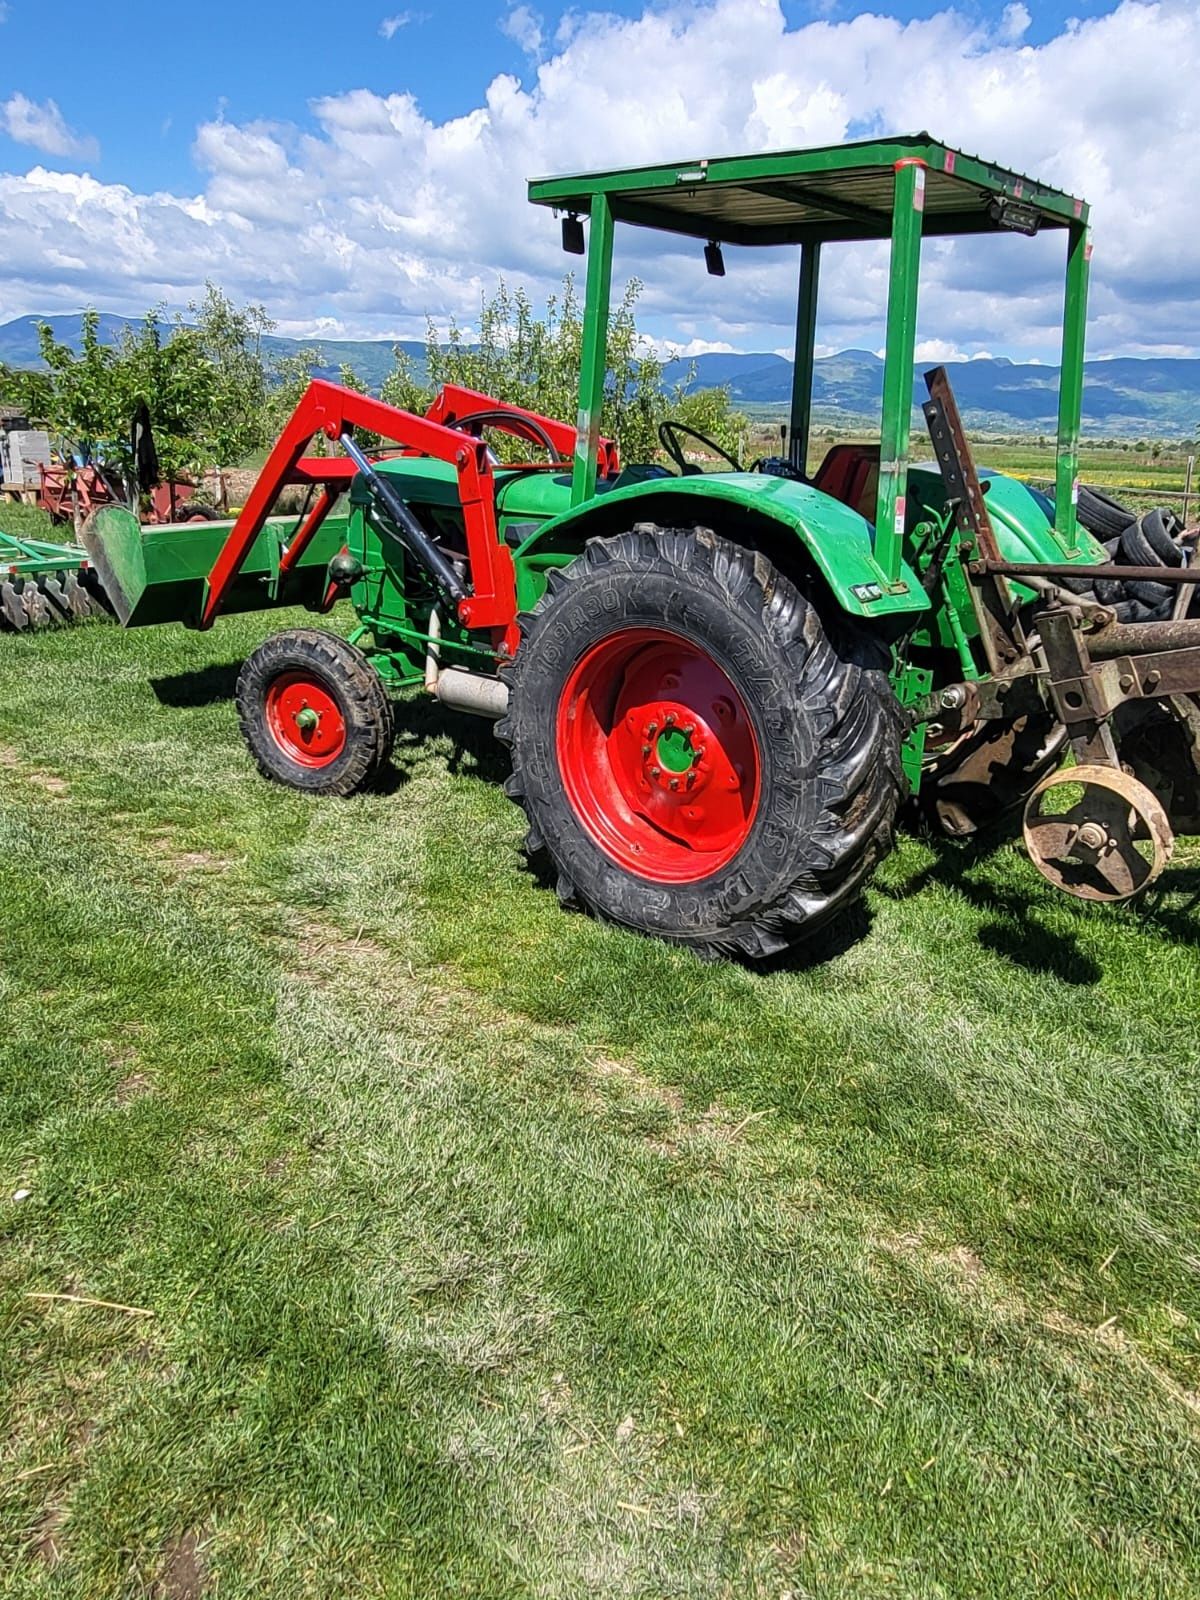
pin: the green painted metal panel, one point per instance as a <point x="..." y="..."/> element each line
<point x="1023" y="531"/>
<point x="838" y="191"/>
<point x="805" y="351"/>
<point x="594" y="354"/>
<point x="30" y="558"/>
<point x="838" y="539"/>
<point x="158" y="574"/>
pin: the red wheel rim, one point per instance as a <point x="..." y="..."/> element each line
<point x="305" y="720"/>
<point x="658" y="755"/>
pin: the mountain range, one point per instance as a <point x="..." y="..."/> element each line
<point x="1126" y="396"/>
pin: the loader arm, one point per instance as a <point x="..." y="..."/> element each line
<point x="330" y="409"/>
<point x="456" y="405"/>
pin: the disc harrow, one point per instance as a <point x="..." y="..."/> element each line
<point x="44" y="585"/>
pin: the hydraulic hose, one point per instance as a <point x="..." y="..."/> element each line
<point x="410" y="532"/>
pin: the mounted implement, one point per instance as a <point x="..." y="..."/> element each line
<point x="44" y="584"/>
<point x="718" y="688"/>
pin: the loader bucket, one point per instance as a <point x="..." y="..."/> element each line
<point x="160" y="574"/>
<point x="112" y="537"/>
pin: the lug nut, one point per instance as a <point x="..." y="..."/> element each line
<point x="656" y="772"/>
<point x="674" y="783"/>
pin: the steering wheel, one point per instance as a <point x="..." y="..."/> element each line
<point x="514" y="422"/>
<point x="668" y="437"/>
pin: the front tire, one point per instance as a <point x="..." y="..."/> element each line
<point x="315" y="713"/>
<point x="699" y="759"/>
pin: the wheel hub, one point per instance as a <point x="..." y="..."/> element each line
<point x="658" y="755"/>
<point x="674" y="755"/>
<point x="305" y="719"/>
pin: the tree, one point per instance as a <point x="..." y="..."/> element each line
<point x="215" y="397"/>
<point x="203" y="377"/>
<point x="533" y="361"/>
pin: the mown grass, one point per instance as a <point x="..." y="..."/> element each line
<point x="491" y="1252"/>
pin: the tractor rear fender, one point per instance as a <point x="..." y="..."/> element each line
<point x="797" y="526"/>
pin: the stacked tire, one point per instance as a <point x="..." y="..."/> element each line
<point x="1153" y="539"/>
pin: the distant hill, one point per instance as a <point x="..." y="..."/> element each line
<point x="372" y="359"/>
<point x="1159" y="396"/>
<point x="1156" y="396"/>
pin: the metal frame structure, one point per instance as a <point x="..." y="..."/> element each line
<point x="903" y="190"/>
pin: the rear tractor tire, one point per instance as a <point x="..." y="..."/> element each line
<point x="698" y="757"/>
<point x="315" y="713"/>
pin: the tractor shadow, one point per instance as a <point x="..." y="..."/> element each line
<point x="1015" y="933"/>
<point x="1169" y="911"/>
<point x="203" y="687"/>
<point x="467" y="744"/>
<point x="845" y="930"/>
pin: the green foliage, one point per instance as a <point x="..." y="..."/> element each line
<point x="215" y="398"/>
<point x="210" y="392"/>
<point x="533" y="361"/>
<point x="710" y="413"/>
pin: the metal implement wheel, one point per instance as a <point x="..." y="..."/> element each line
<point x="314" y="712"/>
<point x="1097" y="833"/>
<point x="13" y="615"/>
<point x="699" y="756"/>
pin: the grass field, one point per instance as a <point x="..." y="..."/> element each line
<point x="453" y="1246"/>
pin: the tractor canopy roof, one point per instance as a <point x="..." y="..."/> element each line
<point x="836" y="192"/>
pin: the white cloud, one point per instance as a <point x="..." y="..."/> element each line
<point x="377" y="214"/>
<point x="937" y="350"/>
<point x="523" y="26"/>
<point x="41" y="125"/>
<point x="669" y="349"/>
<point x="1015" y="22"/>
<point x="4" y="11"/>
<point x="391" y="26"/>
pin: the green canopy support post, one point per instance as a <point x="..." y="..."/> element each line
<point x="593" y="360"/>
<point x="1070" y="384"/>
<point x="802" y="371"/>
<point x="908" y="205"/>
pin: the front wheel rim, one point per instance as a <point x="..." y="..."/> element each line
<point x="305" y="719"/>
<point x="658" y="755"/>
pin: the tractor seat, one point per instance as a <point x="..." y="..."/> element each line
<point x="850" y="473"/>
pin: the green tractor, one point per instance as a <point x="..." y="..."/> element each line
<point x="719" y="687"/>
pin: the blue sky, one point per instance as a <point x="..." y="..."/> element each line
<point x="268" y="60"/>
<point x="274" y="149"/>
